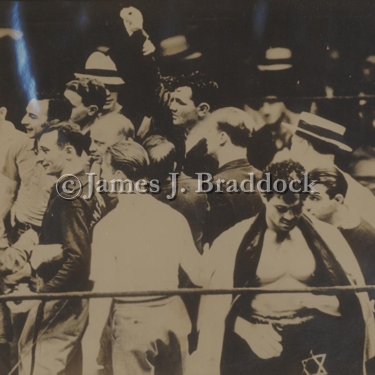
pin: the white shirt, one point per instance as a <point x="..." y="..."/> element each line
<point x="139" y="246"/>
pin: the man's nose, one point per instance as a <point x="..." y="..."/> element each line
<point x="40" y="157"/>
<point x="24" y="120"/>
<point x="172" y="106"/>
<point x="289" y="215"/>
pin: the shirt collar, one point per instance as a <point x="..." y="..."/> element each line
<point x="239" y="163"/>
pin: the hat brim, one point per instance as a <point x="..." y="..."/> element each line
<point x="104" y="80"/>
<point x="274" y="67"/>
<point x="340" y="145"/>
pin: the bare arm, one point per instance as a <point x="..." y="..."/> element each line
<point x="8" y="189"/>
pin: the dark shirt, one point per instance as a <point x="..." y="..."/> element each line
<point x="361" y="239"/>
<point x="197" y="160"/>
<point x="191" y="205"/>
<point x="228" y="209"/>
<point x="70" y="223"/>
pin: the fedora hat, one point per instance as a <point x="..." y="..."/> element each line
<point x="320" y="128"/>
<point x="276" y="59"/>
<point x="178" y="47"/>
<point x="101" y="67"/>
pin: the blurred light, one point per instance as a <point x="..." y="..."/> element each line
<point x="22" y="57"/>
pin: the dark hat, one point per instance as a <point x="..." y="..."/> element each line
<point x="178" y="47"/>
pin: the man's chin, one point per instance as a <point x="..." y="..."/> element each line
<point x="286" y="227"/>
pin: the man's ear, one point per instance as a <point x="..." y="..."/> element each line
<point x="263" y="196"/>
<point x="223" y="138"/>
<point x="93" y="109"/>
<point x="120" y="175"/>
<point x="3" y="113"/>
<point x="70" y="151"/>
<point x="203" y="110"/>
<point x="339" y="198"/>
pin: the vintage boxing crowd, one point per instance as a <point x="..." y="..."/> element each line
<point x="51" y="243"/>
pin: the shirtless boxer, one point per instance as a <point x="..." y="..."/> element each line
<point x="283" y="333"/>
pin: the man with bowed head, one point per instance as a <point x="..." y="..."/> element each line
<point x="286" y="333"/>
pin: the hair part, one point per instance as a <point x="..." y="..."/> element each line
<point x="130" y="158"/>
<point x="205" y="90"/>
<point x="332" y="179"/>
<point x="288" y="171"/>
<point x="68" y="134"/>
<point x="236" y="123"/>
<point x="163" y="156"/>
<point x="90" y="90"/>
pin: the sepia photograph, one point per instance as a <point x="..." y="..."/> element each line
<point x="187" y="187"/>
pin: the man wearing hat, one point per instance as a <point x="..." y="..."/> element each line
<point x="101" y="67"/>
<point x="288" y="333"/>
<point x="275" y="82"/>
<point x="127" y="69"/>
<point x="315" y="143"/>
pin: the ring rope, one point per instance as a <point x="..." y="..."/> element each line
<point x="183" y="291"/>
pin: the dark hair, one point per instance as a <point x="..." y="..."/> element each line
<point x="68" y="134"/>
<point x="59" y="108"/>
<point x="204" y="89"/>
<point x="332" y="179"/>
<point x="91" y="91"/>
<point x="366" y="152"/>
<point x="130" y="158"/>
<point x="236" y="123"/>
<point x="162" y="154"/>
<point x="287" y="170"/>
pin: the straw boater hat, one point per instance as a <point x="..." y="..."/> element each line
<point x="320" y="128"/>
<point x="101" y="67"/>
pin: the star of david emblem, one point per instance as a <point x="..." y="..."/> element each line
<point x="314" y="365"/>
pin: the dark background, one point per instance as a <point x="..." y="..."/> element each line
<point x="59" y="36"/>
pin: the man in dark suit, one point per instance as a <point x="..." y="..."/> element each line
<point x="229" y="133"/>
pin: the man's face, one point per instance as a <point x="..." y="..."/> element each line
<point x="321" y="205"/>
<point x="51" y="156"/>
<point x="36" y="117"/>
<point x="298" y="147"/>
<point x="183" y="109"/>
<point x="108" y="173"/>
<point x="272" y="111"/>
<point x="281" y="216"/>
<point x="101" y="139"/>
<point x="364" y="173"/>
<point x="80" y="112"/>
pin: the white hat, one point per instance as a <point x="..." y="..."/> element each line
<point x="320" y="128"/>
<point x="276" y="59"/>
<point x="102" y="68"/>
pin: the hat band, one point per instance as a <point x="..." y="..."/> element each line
<point x="101" y="72"/>
<point x="276" y="61"/>
<point x="322" y="132"/>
